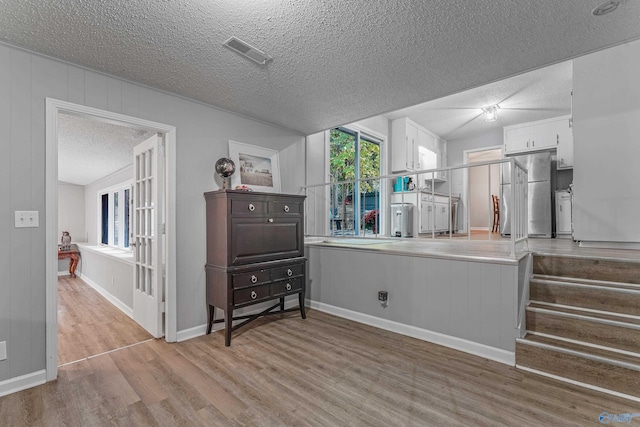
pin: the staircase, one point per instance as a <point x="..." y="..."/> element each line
<point x="583" y="323"/>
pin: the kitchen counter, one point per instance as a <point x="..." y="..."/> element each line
<point x="424" y="191"/>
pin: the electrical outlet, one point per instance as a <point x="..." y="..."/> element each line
<point x="26" y="219"/>
<point x="3" y="350"/>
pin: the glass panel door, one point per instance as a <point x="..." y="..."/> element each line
<point x="355" y="200"/>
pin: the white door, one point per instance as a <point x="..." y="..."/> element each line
<point x="147" y="230"/>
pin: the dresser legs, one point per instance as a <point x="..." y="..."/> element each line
<point x="228" y="325"/>
<point x="303" y="314"/>
<point x="211" y="315"/>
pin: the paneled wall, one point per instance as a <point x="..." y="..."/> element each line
<point x="203" y="133"/>
<point x="466" y="300"/>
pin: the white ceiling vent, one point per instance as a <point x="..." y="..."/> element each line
<point x="245" y="49"/>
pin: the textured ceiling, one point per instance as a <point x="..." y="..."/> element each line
<point x="89" y="149"/>
<point x="334" y="61"/>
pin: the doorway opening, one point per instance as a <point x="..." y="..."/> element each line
<point x="481" y="184"/>
<point x="166" y="232"/>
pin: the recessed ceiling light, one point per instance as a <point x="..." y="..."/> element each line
<point x="245" y="49"/>
<point x="606" y="7"/>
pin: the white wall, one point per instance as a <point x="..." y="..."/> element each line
<point x="110" y="275"/>
<point x="606" y="133"/>
<point x="203" y="133"/>
<point x="71" y="211"/>
<point x="457" y="147"/>
<point x="70" y="216"/>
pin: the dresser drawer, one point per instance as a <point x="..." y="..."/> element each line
<point x="248" y="207"/>
<point x="280" y="273"/>
<point x="284" y="287"/>
<point x="250" y="279"/>
<point x="249" y="295"/>
<point x="285" y="207"/>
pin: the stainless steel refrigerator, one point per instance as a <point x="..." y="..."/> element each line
<point x="539" y="175"/>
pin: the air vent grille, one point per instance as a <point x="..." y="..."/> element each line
<point x="246" y="50"/>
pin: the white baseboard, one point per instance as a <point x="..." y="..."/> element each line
<point x="197" y="331"/>
<point x="477" y="349"/>
<point x="113" y="300"/>
<point x="63" y="273"/>
<point x="23" y="382"/>
<point x="610" y="245"/>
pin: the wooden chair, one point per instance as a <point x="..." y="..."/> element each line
<point x="496" y="214"/>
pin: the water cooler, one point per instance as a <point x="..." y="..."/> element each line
<point x="401" y="220"/>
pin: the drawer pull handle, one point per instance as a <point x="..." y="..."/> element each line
<point x="254" y="279"/>
<point x="270" y="219"/>
<point x="286" y="208"/>
<point x="288" y="286"/>
<point x="254" y="295"/>
<point x="289" y="272"/>
<point x="252" y="207"/>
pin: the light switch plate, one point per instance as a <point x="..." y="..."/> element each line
<point x="27" y="219"/>
<point x="3" y="350"/>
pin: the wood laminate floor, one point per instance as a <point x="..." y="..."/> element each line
<point x="88" y="324"/>
<point x="285" y="371"/>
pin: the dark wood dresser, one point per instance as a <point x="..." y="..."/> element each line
<point x="255" y="253"/>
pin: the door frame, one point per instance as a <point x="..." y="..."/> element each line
<point x="53" y="108"/>
<point x="384" y="194"/>
<point x="465" y="180"/>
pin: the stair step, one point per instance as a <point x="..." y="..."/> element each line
<point x="619" y="334"/>
<point x="581" y="281"/>
<point x="618" y="317"/>
<point x="596" y="295"/>
<point x="601" y="368"/>
<point x="587" y="268"/>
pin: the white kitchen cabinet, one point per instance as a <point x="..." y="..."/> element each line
<point x="426" y="216"/>
<point x="516" y="139"/>
<point x="434" y="213"/>
<point x="404" y="143"/>
<point x="442" y="217"/>
<point x="540" y="135"/>
<point x="415" y="148"/>
<point x="563" y="214"/>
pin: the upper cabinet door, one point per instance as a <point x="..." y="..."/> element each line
<point x="516" y="139"/>
<point x="414" y="148"/>
<point x="541" y="135"/>
<point x="403" y="145"/>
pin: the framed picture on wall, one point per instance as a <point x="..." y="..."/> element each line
<point x="256" y="167"/>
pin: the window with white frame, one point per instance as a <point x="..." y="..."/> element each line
<point x="114" y="215"/>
